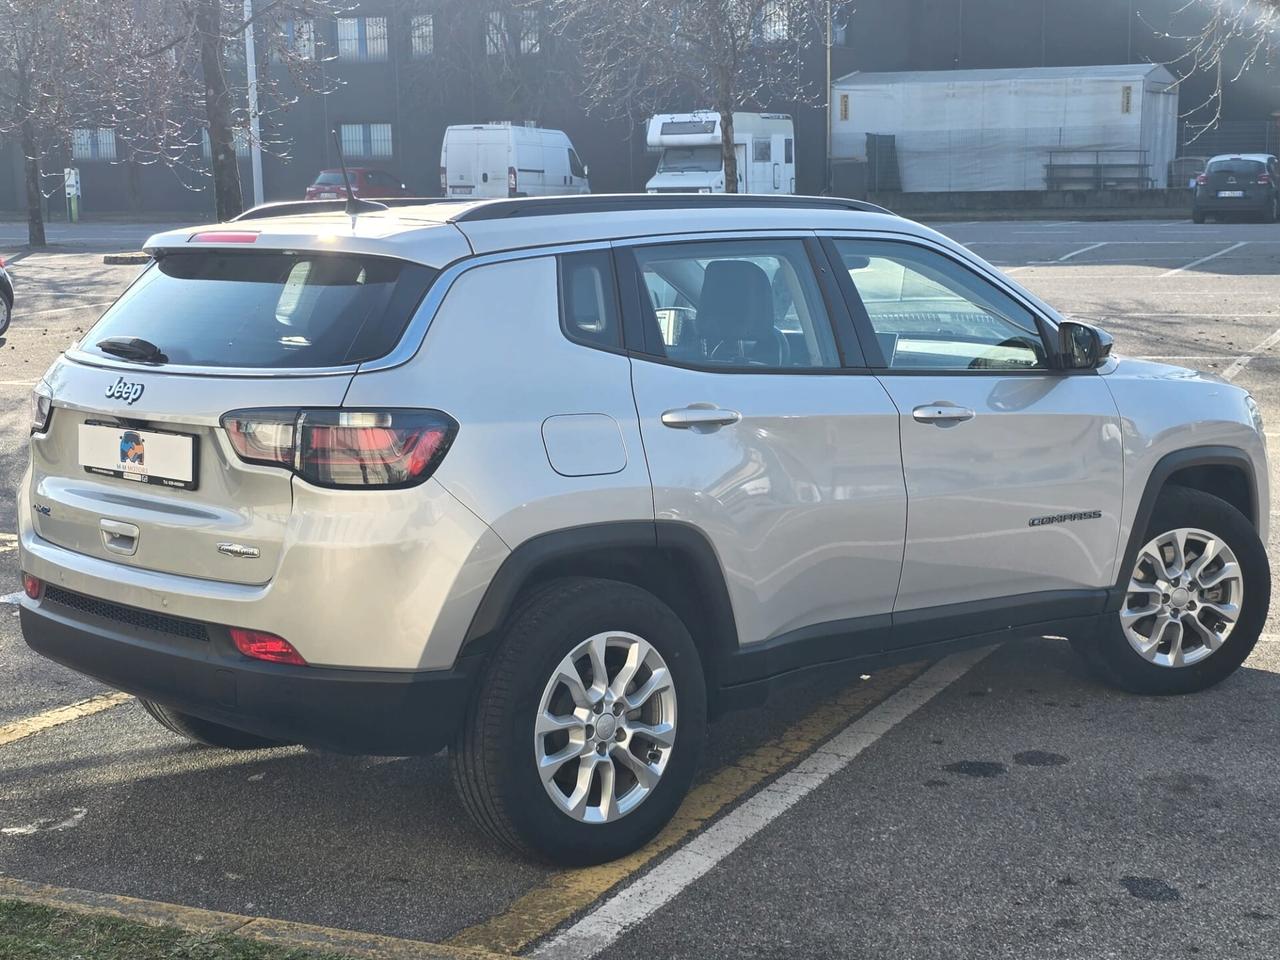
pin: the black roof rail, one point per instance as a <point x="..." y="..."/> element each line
<point x="628" y="202"/>
<point x="289" y="208"/>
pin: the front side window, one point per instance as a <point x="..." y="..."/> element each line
<point x="928" y="312"/>
<point x="750" y="304"/>
<point x="575" y="164"/>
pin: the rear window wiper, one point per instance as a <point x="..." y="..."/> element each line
<point x="132" y="348"/>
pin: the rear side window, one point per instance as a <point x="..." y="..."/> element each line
<point x="588" y="299"/>
<point x="268" y="310"/>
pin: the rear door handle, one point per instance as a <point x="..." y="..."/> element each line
<point x="941" y="413"/>
<point x="699" y="416"/>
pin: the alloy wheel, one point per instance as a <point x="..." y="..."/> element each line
<point x="1183" y="598"/>
<point x="605" y="727"/>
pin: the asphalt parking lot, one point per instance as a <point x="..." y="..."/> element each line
<point x="995" y="805"/>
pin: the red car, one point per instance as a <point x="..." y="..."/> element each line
<point x="365" y="182"/>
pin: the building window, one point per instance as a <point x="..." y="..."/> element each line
<point x="517" y="29"/>
<point x="774" y="26"/>
<point x="366" y="140"/>
<point x="362" y="38"/>
<point x="93" y="144"/>
<point x="1126" y="99"/>
<point x="300" y="38"/>
<point x="844" y="106"/>
<point x="239" y="137"/>
<point x="422" y="36"/>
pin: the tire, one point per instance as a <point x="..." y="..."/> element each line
<point x="1197" y="216"/>
<point x="205" y="732"/>
<point x="495" y="759"/>
<point x="1272" y="213"/>
<point x="6" y="315"/>
<point x="1114" y="654"/>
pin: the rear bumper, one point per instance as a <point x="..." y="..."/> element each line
<point x="392" y="713"/>
<point x="1232" y="204"/>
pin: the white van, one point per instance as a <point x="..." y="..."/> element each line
<point x="509" y="160"/>
<point x="691" y="160"/>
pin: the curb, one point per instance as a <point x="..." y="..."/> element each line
<point x="125" y="259"/>
<point x="303" y="936"/>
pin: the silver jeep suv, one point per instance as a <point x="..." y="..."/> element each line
<point x="551" y="481"/>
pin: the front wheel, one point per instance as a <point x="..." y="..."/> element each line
<point x="587" y="727"/>
<point x="6" y="315"/>
<point x="1195" y="603"/>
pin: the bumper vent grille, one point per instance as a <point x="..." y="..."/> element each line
<point x="128" y="616"/>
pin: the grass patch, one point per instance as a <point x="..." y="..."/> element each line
<point x="29" y="932"/>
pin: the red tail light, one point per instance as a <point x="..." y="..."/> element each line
<point x="1264" y="178"/>
<point x="1202" y="179"/>
<point x="345" y="448"/>
<point x="513" y="182"/>
<point x="32" y="586"/>
<point x="266" y="646"/>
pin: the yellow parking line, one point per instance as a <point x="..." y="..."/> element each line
<point x="197" y="920"/>
<point x="544" y="908"/>
<point x="19" y="729"/>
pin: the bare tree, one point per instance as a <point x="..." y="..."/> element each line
<point x="54" y="63"/>
<point x="1224" y="38"/>
<point x="640" y="56"/>
<point x="195" y="59"/>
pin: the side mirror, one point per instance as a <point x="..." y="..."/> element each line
<point x="1081" y="346"/>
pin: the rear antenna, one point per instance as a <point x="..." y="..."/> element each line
<point x="353" y="206"/>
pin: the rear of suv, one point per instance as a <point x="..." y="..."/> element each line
<point x="550" y="482"/>
<point x="1234" y="184"/>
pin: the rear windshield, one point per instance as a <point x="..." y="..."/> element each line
<point x="1248" y="168"/>
<point x="329" y="177"/>
<point x="269" y="310"/>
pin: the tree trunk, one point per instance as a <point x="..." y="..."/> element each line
<point x="727" y="151"/>
<point x="227" y="199"/>
<point x="30" y="163"/>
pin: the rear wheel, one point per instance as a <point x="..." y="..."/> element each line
<point x="204" y="731"/>
<point x="1197" y="216"/>
<point x="587" y="727"/>
<point x="1195" y="603"/>
<point x="6" y="314"/>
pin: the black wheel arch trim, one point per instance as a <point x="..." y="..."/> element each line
<point x="530" y="560"/>
<point x="1158" y="479"/>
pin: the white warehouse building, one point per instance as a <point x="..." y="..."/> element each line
<point x="1044" y="128"/>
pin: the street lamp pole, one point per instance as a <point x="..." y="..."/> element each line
<point x="255" y="124"/>
<point x="826" y="187"/>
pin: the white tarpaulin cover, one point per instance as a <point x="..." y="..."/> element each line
<point x="965" y="130"/>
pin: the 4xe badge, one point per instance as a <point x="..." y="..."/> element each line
<point x="122" y="389"/>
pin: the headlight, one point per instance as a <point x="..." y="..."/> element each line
<point x="41" y="407"/>
<point x="1254" y="411"/>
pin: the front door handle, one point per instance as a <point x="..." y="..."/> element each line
<point x="699" y="416"/>
<point x="942" y="413"/>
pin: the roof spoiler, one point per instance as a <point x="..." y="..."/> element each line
<point x="290" y="208"/>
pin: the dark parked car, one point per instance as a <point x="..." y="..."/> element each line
<point x="365" y="182"/>
<point x="6" y="299"/>
<point x="1238" y="183"/>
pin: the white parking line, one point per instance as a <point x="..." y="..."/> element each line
<point x="1075" y="253"/>
<point x="633" y="904"/>
<point x="1212" y="256"/>
<point x="1186" y="358"/>
<point x="1243" y="362"/>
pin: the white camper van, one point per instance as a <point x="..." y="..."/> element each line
<point x="691" y="161"/>
<point x="509" y="160"/>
